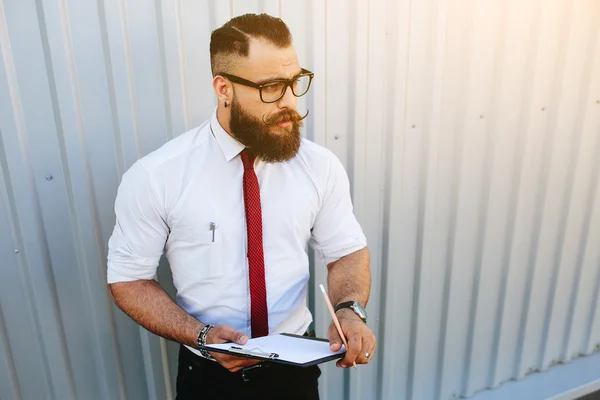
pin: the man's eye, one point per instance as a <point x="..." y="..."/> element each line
<point x="272" y="88"/>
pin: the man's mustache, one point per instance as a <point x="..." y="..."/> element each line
<point x="286" y="115"/>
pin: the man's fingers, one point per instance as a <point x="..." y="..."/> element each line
<point x="233" y="363"/>
<point x="238" y="368"/>
<point x="231" y="335"/>
<point x="335" y="342"/>
<point x="368" y="347"/>
<point x="224" y="334"/>
<point x="360" y="341"/>
<point x="239" y="363"/>
<point x="354" y="346"/>
<point x="239" y="338"/>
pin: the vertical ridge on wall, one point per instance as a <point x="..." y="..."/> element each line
<point x="166" y="370"/>
<point x="162" y="56"/>
<point x="550" y="356"/>
<point x="183" y="64"/>
<point x="472" y="189"/>
<point x="330" y="385"/>
<point x="435" y="250"/>
<point x="367" y="173"/>
<point x="8" y="369"/>
<point x="67" y="172"/>
<point x="17" y="275"/>
<point x="551" y="215"/>
<point x="106" y="55"/>
<point x="495" y="184"/>
<point x="589" y="277"/>
<point x="106" y="31"/>
<point x="8" y="374"/>
<point x="385" y="337"/>
<point x="592" y="332"/>
<point x="517" y="265"/>
<point x="85" y="212"/>
<point x="563" y="292"/>
<point x="526" y="55"/>
<point x="395" y="329"/>
<point x="60" y="379"/>
<point x="129" y="73"/>
<point x="431" y="123"/>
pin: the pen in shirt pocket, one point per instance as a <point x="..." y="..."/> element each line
<point x="213" y="226"/>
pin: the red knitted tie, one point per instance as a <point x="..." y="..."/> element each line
<point x="258" y="291"/>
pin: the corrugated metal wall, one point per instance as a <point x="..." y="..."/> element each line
<point x="470" y="131"/>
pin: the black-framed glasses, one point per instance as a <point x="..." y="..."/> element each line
<point x="273" y="90"/>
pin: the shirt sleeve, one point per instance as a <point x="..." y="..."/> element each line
<point x="140" y="232"/>
<point x="336" y="232"/>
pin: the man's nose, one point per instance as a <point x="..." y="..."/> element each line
<point x="288" y="100"/>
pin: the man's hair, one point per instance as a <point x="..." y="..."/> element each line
<point x="231" y="42"/>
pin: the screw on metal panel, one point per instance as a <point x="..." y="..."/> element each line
<point x="16" y="250"/>
<point x="337" y="137"/>
<point x="49" y="177"/>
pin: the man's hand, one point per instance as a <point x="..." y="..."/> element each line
<point x="360" y="338"/>
<point x="224" y="334"/>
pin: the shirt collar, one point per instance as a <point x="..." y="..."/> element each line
<point x="230" y="146"/>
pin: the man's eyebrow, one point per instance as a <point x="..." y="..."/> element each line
<point x="272" y="78"/>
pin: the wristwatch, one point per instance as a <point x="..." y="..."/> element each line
<point x="201" y="341"/>
<point x="354" y="306"/>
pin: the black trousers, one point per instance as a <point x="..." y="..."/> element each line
<point x="198" y="378"/>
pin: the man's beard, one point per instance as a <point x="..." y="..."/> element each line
<point x="256" y="134"/>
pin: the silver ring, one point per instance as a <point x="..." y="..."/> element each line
<point x="367" y="354"/>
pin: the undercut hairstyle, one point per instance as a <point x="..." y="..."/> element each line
<point x="231" y="42"/>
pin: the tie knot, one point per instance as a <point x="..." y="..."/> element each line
<point x="248" y="159"/>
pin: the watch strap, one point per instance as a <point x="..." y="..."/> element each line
<point x="355" y="306"/>
<point x="345" y="304"/>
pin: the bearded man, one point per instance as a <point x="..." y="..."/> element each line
<point x="235" y="203"/>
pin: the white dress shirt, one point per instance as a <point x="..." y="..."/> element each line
<point x="168" y="199"/>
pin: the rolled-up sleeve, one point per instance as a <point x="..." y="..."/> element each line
<point x="336" y="232"/>
<point x="140" y="232"/>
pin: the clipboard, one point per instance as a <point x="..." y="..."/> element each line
<point x="283" y="348"/>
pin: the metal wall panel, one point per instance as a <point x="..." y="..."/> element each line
<point x="470" y="131"/>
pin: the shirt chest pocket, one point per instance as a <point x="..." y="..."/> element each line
<point x="198" y="252"/>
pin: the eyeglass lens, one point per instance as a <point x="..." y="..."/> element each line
<point x="274" y="91"/>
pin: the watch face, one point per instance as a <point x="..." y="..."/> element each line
<point x="359" y="310"/>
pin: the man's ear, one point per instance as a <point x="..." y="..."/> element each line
<point x="222" y="89"/>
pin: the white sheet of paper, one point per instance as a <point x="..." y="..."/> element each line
<point x="289" y="348"/>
